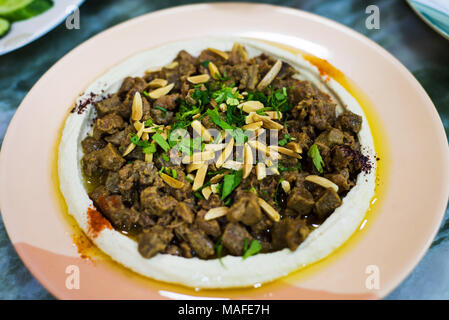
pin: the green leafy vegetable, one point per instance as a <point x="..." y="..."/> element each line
<point x="219" y="249"/>
<point x="151" y="148"/>
<point x="148" y="122"/>
<point x="230" y="182"/>
<point x="174" y="173"/>
<point x="287" y="138"/>
<point x="161" y="141"/>
<point x="165" y="157"/>
<point x="253" y="249"/>
<point x="314" y="153"/>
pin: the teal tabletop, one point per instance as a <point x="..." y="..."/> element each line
<point x="423" y="51"/>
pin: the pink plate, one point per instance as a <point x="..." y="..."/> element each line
<point x="397" y="230"/>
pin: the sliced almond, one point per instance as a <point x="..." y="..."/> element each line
<point x="248" y="160"/>
<point x="156" y="94"/>
<point x="214" y="72"/>
<point x="148" y="157"/>
<point x="152" y="129"/>
<point x="294" y="146"/>
<point x="145" y="136"/>
<point x="323" y="182"/>
<point x="220" y="53"/>
<point x="199" y="177"/>
<point x="267" y="122"/>
<point x="215" y="213"/>
<point x="269" y="210"/>
<point x="273" y="154"/>
<point x="196" y="116"/>
<point x="269" y="77"/>
<point x="274" y="115"/>
<point x="250" y="106"/>
<point x="285" y="186"/>
<point x="271" y="166"/>
<point x="172" y="65"/>
<point x="257" y="133"/>
<point x="234" y="165"/>
<point x="157" y="83"/>
<point x="253" y="126"/>
<point x="249" y="118"/>
<point x="225" y="154"/>
<point x="237" y="47"/>
<point x="223" y="107"/>
<point x="213" y="103"/>
<point x="138" y="125"/>
<point x="261" y="171"/>
<point x="285" y="151"/>
<point x="202" y="78"/>
<point x="193" y="166"/>
<point x="207" y="191"/>
<point x="136" y="109"/>
<point x="131" y="146"/>
<point x="214" y="146"/>
<point x="218" y="177"/>
<point x="172" y="182"/>
<point x="201" y="130"/>
<point x="199" y="157"/>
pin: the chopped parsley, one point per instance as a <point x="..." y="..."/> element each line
<point x="146" y="146"/>
<point x="161" y="141"/>
<point x="148" y="122"/>
<point x="230" y="182"/>
<point x="219" y="248"/>
<point x="254" y="248"/>
<point x="164" y="111"/>
<point x="165" y="157"/>
<point x="174" y="173"/>
<point x="287" y="138"/>
<point x="314" y="153"/>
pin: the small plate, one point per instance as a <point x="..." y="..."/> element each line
<point x="434" y="12"/>
<point x="24" y="32"/>
<point x="412" y="185"/>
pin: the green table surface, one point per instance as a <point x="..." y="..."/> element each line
<point x="402" y="33"/>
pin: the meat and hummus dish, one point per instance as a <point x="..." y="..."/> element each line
<point x="231" y="164"/>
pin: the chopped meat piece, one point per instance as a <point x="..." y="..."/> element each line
<point x="328" y="202"/>
<point x="246" y="210"/>
<point x="155" y="203"/>
<point x="211" y="227"/>
<point x="110" y="124"/>
<point x="154" y="241"/>
<point x="197" y="240"/>
<point x="289" y="233"/>
<point x="91" y="144"/>
<point x="234" y="237"/>
<point x="300" y="200"/>
<point x="331" y="137"/>
<point x="112" y="105"/>
<point x="167" y="102"/>
<point x="350" y="121"/>
<point x="109" y="158"/>
<point x="113" y="208"/>
<point x="185" y="212"/>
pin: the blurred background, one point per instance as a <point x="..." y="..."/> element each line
<point x="402" y="32"/>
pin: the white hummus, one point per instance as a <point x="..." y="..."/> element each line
<point x="195" y="272"/>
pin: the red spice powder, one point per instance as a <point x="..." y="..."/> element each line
<point x="96" y="222"/>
